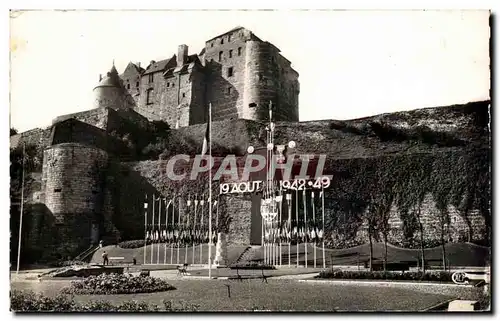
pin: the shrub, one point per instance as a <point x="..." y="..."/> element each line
<point x="69" y="263"/>
<point x="117" y="284"/>
<point x="30" y="302"/>
<point x="133" y="244"/>
<point x="435" y="276"/>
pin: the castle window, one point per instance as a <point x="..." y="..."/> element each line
<point x="168" y="84"/>
<point x="173" y="84"/>
<point x="137" y="84"/>
<point x="230" y="71"/>
<point x="149" y="96"/>
<point x="230" y="54"/>
<point x="229" y="38"/>
<point x="239" y="51"/>
<point x="151" y="78"/>
<point x="222" y="41"/>
<point x="57" y="190"/>
<point x="128" y="86"/>
<point x="229" y="90"/>
<point x="183" y="95"/>
<point x="212" y="45"/>
<point x="220" y="56"/>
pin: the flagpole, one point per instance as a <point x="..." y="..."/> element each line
<point x="21" y="213"/>
<point x="159" y="232"/>
<point x="145" y="228"/>
<point x="210" y="193"/>
<point x="178" y="229"/>
<point x="194" y="227"/>
<point x="166" y="231"/>
<point x="280" y="224"/>
<point x="314" y="225"/>
<point x="173" y="231"/>
<point x="201" y="231"/>
<point x="186" y="231"/>
<point x="153" y="230"/>
<point x="297" y="222"/>
<point x="305" y="224"/>
<point x="323" y="220"/>
<point x="289" y="236"/>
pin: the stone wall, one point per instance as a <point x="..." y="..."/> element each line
<point x="159" y="94"/>
<point x="454" y="226"/>
<point x="74" y="184"/>
<point x="238" y="209"/>
<point x="97" y="117"/>
<point x="198" y="106"/>
<point x="225" y="90"/>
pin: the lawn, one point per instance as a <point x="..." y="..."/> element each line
<point x="277" y="295"/>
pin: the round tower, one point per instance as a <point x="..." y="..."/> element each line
<point x="73" y="177"/>
<point x="259" y="86"/>
<point x="109" y="91"/>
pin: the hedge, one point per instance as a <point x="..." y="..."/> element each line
<point x="438" y="276"/>
<point x="22" y="301"/>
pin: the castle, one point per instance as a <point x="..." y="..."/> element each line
<point x="236" y="72"/>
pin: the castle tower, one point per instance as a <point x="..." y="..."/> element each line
<point x="110" y="92"/>
<point x="260" y="80"/>
<point x="73" y="177"/>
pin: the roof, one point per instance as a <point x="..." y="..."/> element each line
<point x="160" y="65"/>
<point x="232" y="30"/>
<point x="132" y="67"/>
<point x="111" y="79"/>
<point x="191" y="61"/>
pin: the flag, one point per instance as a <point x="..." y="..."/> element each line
<point x="206" y="140"/>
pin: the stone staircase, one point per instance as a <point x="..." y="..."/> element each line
<point x="247" y="255"/>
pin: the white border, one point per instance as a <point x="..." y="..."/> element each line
<point x="214" y="4"/>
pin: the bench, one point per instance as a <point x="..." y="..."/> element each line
<point x="182" y="270"/>
<point x="240" y="277"/>
<point x="116" y="258"/>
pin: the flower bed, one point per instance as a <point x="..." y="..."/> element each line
<point x="117" y="284"/>
<point x="30" y="302"/>
<point x="437" y="276"/>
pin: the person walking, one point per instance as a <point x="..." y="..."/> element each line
<point x="105" y="260"/>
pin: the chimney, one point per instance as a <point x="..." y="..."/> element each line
<point x="138" y="64"/>
<point x="182" y="54"/>
<point x="100" y="77"/>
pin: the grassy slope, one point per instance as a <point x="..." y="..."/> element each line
<point x="354" y="138"/>
<point x="457" y="254"/>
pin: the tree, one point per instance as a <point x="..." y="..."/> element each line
<point x="371" y="217"/>
<point x="382" y="207"/>
<point x="13" y="131"/>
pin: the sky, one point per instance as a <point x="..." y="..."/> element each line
<point x="351" y="64"/>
